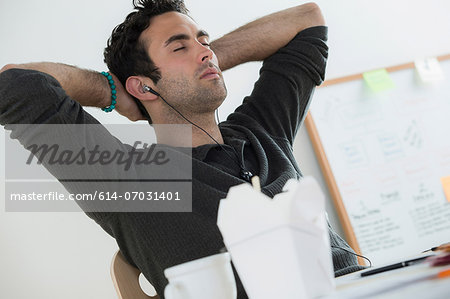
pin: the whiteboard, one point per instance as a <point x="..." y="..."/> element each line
<point x="383" y="155"/>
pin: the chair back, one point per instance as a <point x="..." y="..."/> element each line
<point x="125" y="278"/>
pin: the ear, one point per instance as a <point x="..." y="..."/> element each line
<point x="135" y="87"/>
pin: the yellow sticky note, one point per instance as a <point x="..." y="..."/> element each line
<point x="446" y="185"/>
<point x="379" y="80"/>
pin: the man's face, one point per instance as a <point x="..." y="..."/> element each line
<point x="190" y="76"/>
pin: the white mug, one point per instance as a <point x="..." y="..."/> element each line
<point x="208" y="277"/>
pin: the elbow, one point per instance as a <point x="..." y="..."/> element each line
<point x="311" y="14"/>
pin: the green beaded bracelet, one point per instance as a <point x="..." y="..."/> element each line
<point x="113" y="92"/>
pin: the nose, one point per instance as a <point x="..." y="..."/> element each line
<point x="205" y="54"/>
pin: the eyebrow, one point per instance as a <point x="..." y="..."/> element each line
<point x="183" y="36"/>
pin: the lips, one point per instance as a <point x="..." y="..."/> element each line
<point x="210" y="73"/>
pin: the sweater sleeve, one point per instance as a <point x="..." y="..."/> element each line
<point x="281" y="96"/>
<point x="344" y="257"/>
<point x="38" y="112"/>
<point x="32" y="97"/>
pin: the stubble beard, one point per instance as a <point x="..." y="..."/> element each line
<point x="184" y="95"/>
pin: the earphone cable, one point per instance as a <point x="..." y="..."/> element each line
<point x="361" y="256"/>
<point x="241" y="166"/>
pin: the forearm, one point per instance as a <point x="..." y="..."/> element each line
<point x="263" y="37"/>
<point x="89" y="88"/>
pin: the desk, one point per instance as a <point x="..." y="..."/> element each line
<point x="416" y="281"/>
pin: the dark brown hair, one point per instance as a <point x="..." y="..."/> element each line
<point x="125" y="55"/>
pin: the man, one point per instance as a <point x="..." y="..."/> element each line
<point x="166" y="71"/>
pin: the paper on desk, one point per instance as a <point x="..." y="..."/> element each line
<point x="390" y="284"/>
<point x="280" y="247"/>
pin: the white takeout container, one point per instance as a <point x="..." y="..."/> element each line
<point x="280" y="247"/>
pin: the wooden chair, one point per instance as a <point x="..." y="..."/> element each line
<point x="125" y="278"/>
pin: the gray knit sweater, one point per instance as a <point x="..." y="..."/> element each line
<point x="261" y="131"/>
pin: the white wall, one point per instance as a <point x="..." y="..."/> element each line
<point x="66" y="255"/>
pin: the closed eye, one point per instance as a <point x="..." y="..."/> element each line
<point x="181" y="48"/>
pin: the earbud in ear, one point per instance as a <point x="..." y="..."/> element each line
<point x="149" y="89"/>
